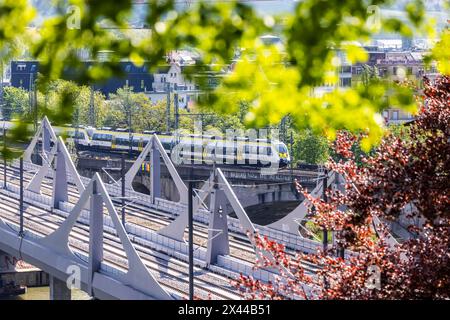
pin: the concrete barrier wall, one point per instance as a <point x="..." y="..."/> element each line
<point x="291" y="241"/>
<point x="226" y="265"/>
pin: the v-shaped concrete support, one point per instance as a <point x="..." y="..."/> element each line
<point x="290" y="222"/>
<point x="138" y="276"/>
<point x="64" y="167"/>
<point x="245" y="221"/>
<point x="218" y="242"/>
<point x="48" y="135"/>
<point x="383" y="233"/>
<point x="155" y="148"/>
<point x="176" y="228"/>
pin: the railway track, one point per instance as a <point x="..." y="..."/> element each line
<point x="171" y="273"/>
<point x="154" y="220"/>
<point x="240" y="246"/>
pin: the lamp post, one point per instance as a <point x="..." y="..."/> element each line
<point x="130" y="133"/>
<point x="21" y="197"/>
<point x="191" y="239"/>
<point x="1" y="84"/>
<point x="177" y="111"/>
<point x="167" y="107"/>
<point x="4" y="157"/>
<point x="91" y="108"/>
<point x="122" y="176"/>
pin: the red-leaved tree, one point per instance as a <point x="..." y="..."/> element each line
<point x="407" y="179"/>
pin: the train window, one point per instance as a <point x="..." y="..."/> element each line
<point x="77" y="135"/>
<point x="102" y="137"/>
<point x="71" y="134"/>
<point x="121" y="141"/>
<point x="265" y="150"/>
<point x="281" y="148"/>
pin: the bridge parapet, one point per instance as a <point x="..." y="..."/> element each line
<point x="168" y="240"/>
<point x="95" y="276"/>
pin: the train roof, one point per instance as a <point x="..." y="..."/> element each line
<point x="263" y="142"/>
<point x="164" y="135"/>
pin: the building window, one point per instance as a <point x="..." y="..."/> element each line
<point x="21" y="67"/>
<point x="346" y="69"/>
<point x="386" y="114"/>
<point x="394" y="115"/>
<point x="346" y="82"/>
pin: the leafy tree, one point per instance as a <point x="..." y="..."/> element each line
<point x="145" y="115"/>
<point x="114" y="118"/>
<point x="83" y="106"/>
<point x="310" y="148"/>
<point x="130" y="106"/>
<point x="402" y="174"/>
<point x="369" y="74"/>
<point x="273" y="82"/>
<point x="16" y="102"/>
<point x="156" y="117"/>
<point x="222" y="122"/>
<point x="15" y="16"/>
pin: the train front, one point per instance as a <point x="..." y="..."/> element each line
<point x="283" y="154"/>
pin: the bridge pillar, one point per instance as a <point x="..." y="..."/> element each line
<point x="59" y="289"/>
<point x="95" y="234"/>
<point x="218" y="227"/>
<point x="60" y="191"/>
<point x="155" y="172"/>
<point x="46" y="140"/>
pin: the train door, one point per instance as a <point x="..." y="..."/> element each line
<point x="240" y="159"/>
<point x="113" y="142"/>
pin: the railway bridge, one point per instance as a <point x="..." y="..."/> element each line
<point x="251" y="185"/>
<point x="115" y="243"/>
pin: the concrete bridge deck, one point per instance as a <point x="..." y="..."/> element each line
<point x="69" y="220"/>
<point x="41" y="220"/>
